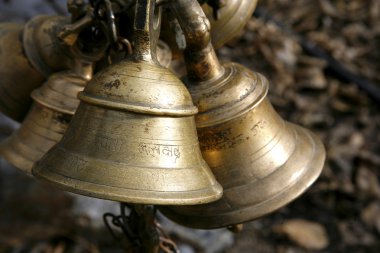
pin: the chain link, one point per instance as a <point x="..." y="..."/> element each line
<point x="139" y="231"/>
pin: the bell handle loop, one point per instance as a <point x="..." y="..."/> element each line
<point x="146" y="31"/>
<point x="201" y="61"/>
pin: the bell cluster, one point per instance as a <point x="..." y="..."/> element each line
<point x="107" y="111"/>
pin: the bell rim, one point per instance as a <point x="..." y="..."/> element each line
<point x="52" y="101"/>
<point x="38" y="98"/>
<point x="213" y="193"/>
<point x="23" y="163"/>
<point x="312" y="170"/>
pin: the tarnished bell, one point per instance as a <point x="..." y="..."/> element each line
<point x="262" y="161"/>
<point x="133" y="138"/>
<point x="17" y="77"/>
<point x="54" y="104"/>
<point x="48" y="53"/>
<point x="29" y="55"/>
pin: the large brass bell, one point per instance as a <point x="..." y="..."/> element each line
<point x="133" y="138"/>
<point x="17" y="77"/>
<point x="54" y="104"/>
<point x="262" y="161"/>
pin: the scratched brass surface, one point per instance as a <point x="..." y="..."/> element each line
<point x="17" y="77"/>
<point x="262" y="161"/>
<point x="54" y="104"/>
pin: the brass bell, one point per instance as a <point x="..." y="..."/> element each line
<point x="262" y="161"/>
<point x="38" y="51"/>
<point x="54" y="104"/>
<point x="49" y="53"/>
<point x="17" y="77"/>
<point x="133" y="138"/>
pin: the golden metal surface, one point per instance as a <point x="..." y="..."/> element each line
<point x="133" y="138"/>
<point x="54" y="104"/>
<point x="17" y="77"/>
<point x="262" y="161"/>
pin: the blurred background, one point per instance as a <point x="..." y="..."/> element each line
<point x="323" y="60"/>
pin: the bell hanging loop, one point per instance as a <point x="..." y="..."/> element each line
<point x="146" y="31"/>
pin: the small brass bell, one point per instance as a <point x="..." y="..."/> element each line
<point x="54" y="104"/>
<point x="262" y="161"/>
<point x="17" y="77"/>
<point x="133" y="138"/>
<point x="48" y="53"/>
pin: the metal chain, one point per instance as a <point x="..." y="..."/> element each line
<point x="139" y="231"/>
<point x="166" y="244"/>
<point x="103" y="10"/>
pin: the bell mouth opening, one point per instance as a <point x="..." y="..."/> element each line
<point x="92" y="42"/>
